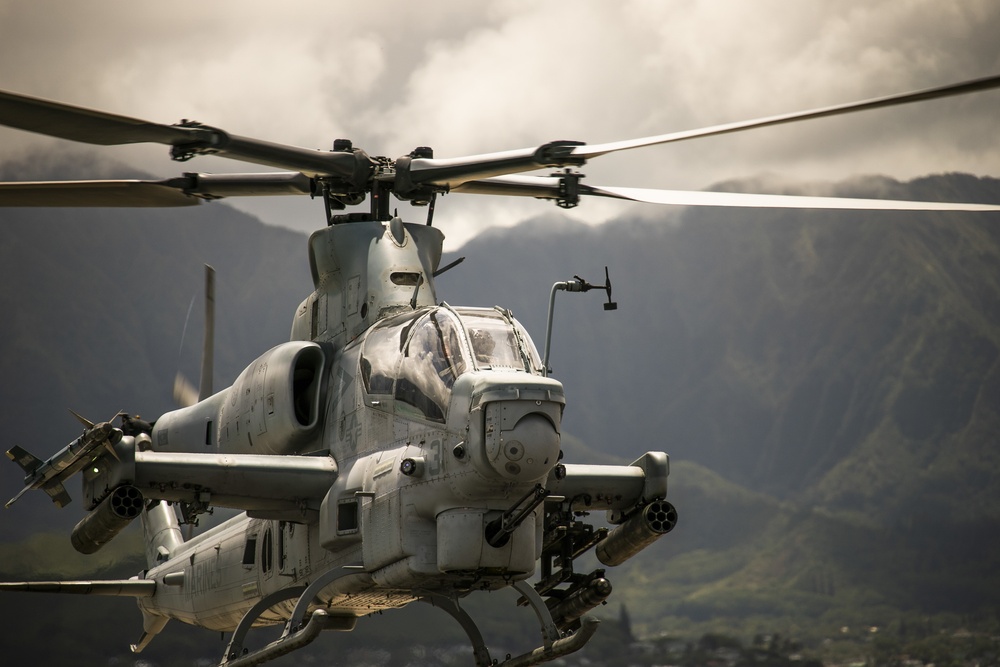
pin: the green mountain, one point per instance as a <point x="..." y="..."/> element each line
<point x="837" y="358"/>
<point x="827" y="385"/>
<point x="98" y="317"/>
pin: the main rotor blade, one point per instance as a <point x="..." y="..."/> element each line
<point x="89" y="126"/>
<point x="450" y="172"/>
<point x="975" y="85"/>
<point x="187" y="190"/>
<point x="453" y="172"/>
<point x="188" y="139"/>
<point x="548" y="188"/>
<point x="118" y="194"/>
<point x="749" y="200"/>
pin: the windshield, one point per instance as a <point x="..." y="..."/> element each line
<point x="499" y="342"/>
<point x="415" y="358"/>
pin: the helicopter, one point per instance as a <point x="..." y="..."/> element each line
<point x="396" y="449"/>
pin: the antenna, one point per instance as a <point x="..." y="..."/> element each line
<point x="578" y="284"/>
<point x="208" y="343"/>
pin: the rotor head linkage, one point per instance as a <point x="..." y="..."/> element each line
<point x="569" y="188"/>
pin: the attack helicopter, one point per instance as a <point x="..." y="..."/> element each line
<point x="397" y="449"/>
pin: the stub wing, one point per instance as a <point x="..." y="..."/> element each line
<point x="612" y="487"/>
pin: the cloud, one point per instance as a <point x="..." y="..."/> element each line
<point x="467" y="77"/>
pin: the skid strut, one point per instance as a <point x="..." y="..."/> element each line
<point x="554" y="645"/>
<point x="235" y="647"/>
<point x="297" y="632"/>
<point x="445" y="603"/>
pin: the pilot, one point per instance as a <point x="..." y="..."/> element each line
<point x="482" y="345"/>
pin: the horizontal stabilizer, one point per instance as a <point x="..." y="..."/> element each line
<point x="135" y="588"/>
<point x="28" y="461"/>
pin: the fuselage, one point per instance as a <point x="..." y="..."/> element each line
<point x="439" y="421"/>
<point x="395" y="449"/>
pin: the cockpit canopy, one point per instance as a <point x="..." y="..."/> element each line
<point x="416" y="357"/>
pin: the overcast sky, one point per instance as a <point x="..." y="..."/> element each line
<point x="469" y="77"/>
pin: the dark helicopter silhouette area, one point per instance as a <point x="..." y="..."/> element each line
<point x="828" y="383"/>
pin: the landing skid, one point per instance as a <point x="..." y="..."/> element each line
<point x="554" y="645"/>
<point x="296" y="634"/>
<point x="317" y="623"/>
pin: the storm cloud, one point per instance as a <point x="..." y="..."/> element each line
<point x="468" y="78"/>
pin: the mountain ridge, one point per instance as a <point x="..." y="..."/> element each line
<point x="827" y="383"/>
<point x="816" y="328"/>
